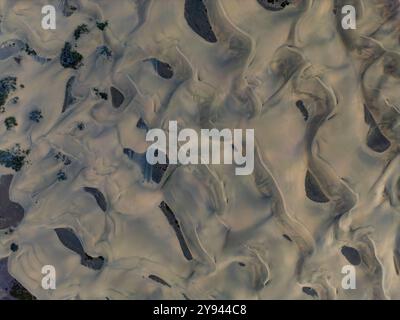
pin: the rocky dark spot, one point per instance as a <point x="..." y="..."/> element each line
<point x="197" y="18"/>
<point x="313" y="190"/>
<point x="99" y="197"/>
<point x="13" y="247"/>
<point x="117" y="98"/>
<point x="352" y="255"/>
<point x="175" y="225"/>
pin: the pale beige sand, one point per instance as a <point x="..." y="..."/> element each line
<point x="250" y="237"/>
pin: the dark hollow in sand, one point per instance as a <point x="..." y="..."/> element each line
<point x="154" y="172"/>
<point x="197" y="18"/>
<point x="117" y="98"/>
<point x="68" y="98"/>
<point x="11" y="213"/>
<point x="352" y="255"/>
<point x="376" y="140"/>
<point x="313" y="190"/>
<point x="69" y="239"/>
<point x="310" y="291"/>
<point x="175" y="225"/>
<point x="99" y="197"/>
<point x="142" y="125"/>
<point x="163" y="69"/>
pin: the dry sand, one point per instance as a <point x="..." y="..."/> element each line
<point x="324" y="103"/>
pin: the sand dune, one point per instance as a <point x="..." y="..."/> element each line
<point x="77" y="193"/>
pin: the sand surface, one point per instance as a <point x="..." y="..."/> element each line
<point x="324" y="103"/>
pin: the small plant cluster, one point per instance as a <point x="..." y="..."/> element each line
<point x="104" y="51"/>
<point x="10" y="122"/>
<point x="35" y="115"/>
<point x="70" y="58"/>
<point x="102" y="25"/>
<point x="29" y="51"/>
<point x="80" y="126"/>
<point x="7" y="85"/>
<point x="13" y="158"/>
<point x="61" y="176"/>
<point x="100" y="94"/>
<point x="81" y="29"/>
<point x="63" y="158"/>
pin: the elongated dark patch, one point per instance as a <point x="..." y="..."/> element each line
<point x="376" y="140"/>
<point x="310" y="291"/>
<point x="396" y="261"/>
<point x="117" y="98"/>
<point x="98" y="195"/>
<point x="352" y="255"/>
<point x="159" y="280"/>
<point x="197" y="18"/>
<point x="154" y="172"/>
<point x="313" y="190"/>
<point x="163" y="69"/>
<point x="368" y="118"/>
<point x="68" y="98"/>
<point x="300" y="105"/>
<point x="175" y="225"/>
<point x="142" y="125"/>
<point x="69" y="239"/>
<point x="11" y="213"/>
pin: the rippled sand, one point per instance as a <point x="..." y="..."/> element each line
<point x="77" y="101"/>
